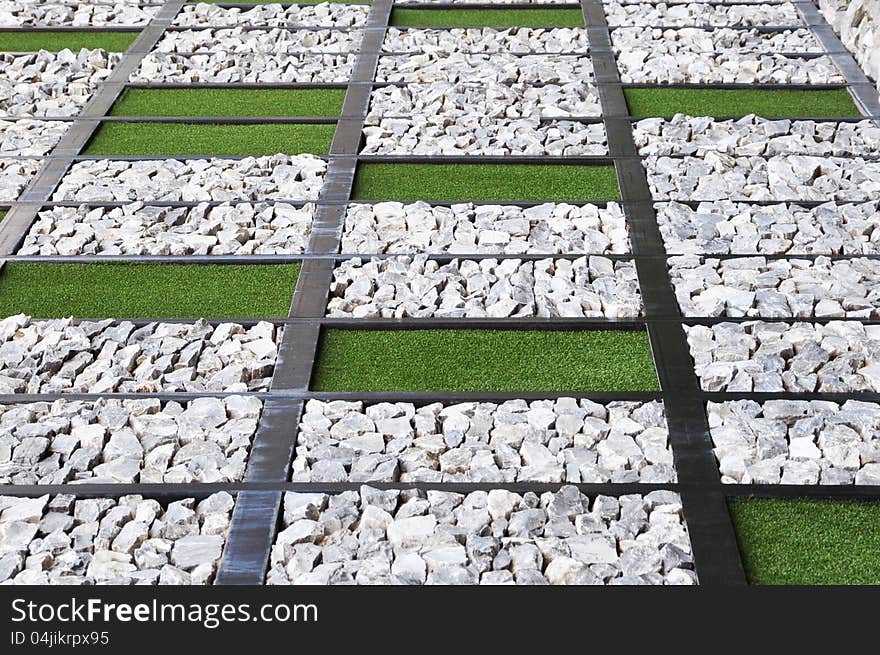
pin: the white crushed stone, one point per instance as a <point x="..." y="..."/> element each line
<point x="325" y="14"/>
<point x="394" y="227"/>
<point x="27" y="138"/>
<point x="839" y="357"/>
<point x="484" y="68"/>
<point x="259" y="41"/>
<point x="563" y="440"/>
<point x="633" y="45"/>
<point x="229" y="67"/>
<point x="284" y="177"/>
<point x="127" y="441"/>
<point x="857" y="22"/>
<point x="27" y="13"/>
<point x="487" y="39"/>
<point x="138" y="229"/>
<point x="689" y="13"/>
<point x="796" y="442"/>
<point x="15" y="175"/>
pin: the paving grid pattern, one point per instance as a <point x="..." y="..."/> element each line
<point x="259" y="496"/>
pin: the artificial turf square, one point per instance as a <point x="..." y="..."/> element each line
<point x="485" y="182"/>
<point x="207" y="139"/>
<point x="484" y="360"/>
<point x="809" y="542"/>
<point x="229" y="102"/>
<point x="487" y="17"/>
<point x="110" y="290"/>
<point x="769" y="103"/>
<point x="30" y="41"/>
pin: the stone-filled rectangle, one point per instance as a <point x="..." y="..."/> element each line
<point x="484" y="360"/>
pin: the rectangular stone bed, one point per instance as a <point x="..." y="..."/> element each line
<point x="146" y="290"/>
<point x="808" y="542"/>
<point x="144" y="139"/>
<point x="484" y="360"/>
<point x="562" y="440"/>
<point x="127" y="441"/>
<point x="488" y="538"/>
<point x="489" y="182"/>
<point x="770" y="103"/>
<point x="229" y="102"/>
<point x="521" y="17"/>
<point x="51" y="41"/>
<point x="129" y="540"/>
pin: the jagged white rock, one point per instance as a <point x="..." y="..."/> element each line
<point x="27" y="13"/>
<point x="686" y="13"/>
<point x="488" y="39"/>
<point x="325" y="14"/>
<point x="229" y="67"/>
<point x="483" y="68"/>
<point x="15" y="175"/>
<point x="276" y="41"/>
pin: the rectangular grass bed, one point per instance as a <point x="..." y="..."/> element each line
<point x="809" y="542"/>
<point x="487" y="182"/>
<point x="487" y="17"/>
<point x="28" y="41"/>
<point x="769" y="103"/>
<point x="484" y="360"/>
<point x="146" y="290"/>
<point x="206" y="139"/>
<point x="229" y="102"/>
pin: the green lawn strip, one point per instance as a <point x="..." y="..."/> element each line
<point x="206" y="139"/>
<point x="489" y="182"/>
<point x="27" y="41"/>
<point x="229" y="102"/>
<point x="487" y="17"/>
<point x="146" y="290"/>
<point x="769" y="103"/>
<point x="484" y="360"/>
<point x="808" y="542"/>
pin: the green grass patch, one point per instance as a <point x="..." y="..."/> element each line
<point x="489" y="182"/>
<point x="808" y="542"/>
<point x="146" y="290"/>
<point x="484" y="360"/>
<point x="206" y="139"/>
<point x="487" y="17"/>
<point x="229" y="102"/>
<point x="26" y="41"/>
<point x="740" y="102"/>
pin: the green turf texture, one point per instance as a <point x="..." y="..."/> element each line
<point x="484" y="360"/>
<point x="206" y="139"/>
<point x="229" y="102"/>
<point x="486" y="182"/>
<point x="146" y="290"/>
<point x="26" y="41"/>
<point x="487" y="18"/>
<point x="740" y="102"/>
<point x="808" y="542"/>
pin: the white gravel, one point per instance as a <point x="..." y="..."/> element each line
<point x="52" y="356"/>
<point x="285" y="177"/>
<point x="725" y="227"/>
<point x="503" y="68"/>
<point x="28" y="138"/>
<point x="839" y="357"/>
<point x="51" y="83"/>
<point x="751" y="135"/>
<point x="127" y="441"/>
<point x="274" y="41"/>
<point x="393" y="227"/>
<point x="857" y="22"/>
<point x="15" y="175"/>
<point x="28" y="13"/>
<point x="138" y="229"/>
<point x="563" y="440"/>
<point x="229" y="67"/>
<point x="417" y="287"/>
<point x="633" y="45"/>
<point x="325" y="14"/>
<point x="698" y="13"/>
<point x="777" y="288"/>
<point x="498" y="537"/>
<point x="129" y="540"/>
<point x="796" y="442"/>
<point x="487" y="39"/>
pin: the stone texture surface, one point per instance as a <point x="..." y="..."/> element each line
<point x="774" y="288"/>
<point x="276" y="41"/>
<point x="27" y="138"/>
<point x="282" y="177"/>
<point x="549" y="228"/>
<point x="839" y="357"/>
<point x="684" y="135"/>
<point x="15" y="175"/>
<point x="498" y="537"/>
<point x="324" y="14"/>
<point x="418" y="287"/>
<point x="718" y="176"/>
<point x="634" y="45"/>
<point x="51" y="83"/>
<point x="796" y="442"/>
<point x="857" y="22"/>
<point x="725" y="227"/>
<point x="484" y="68"/>
<point x="127" y="441"/>
<point x="563" y="440"/>
<point x="488" y="39"/>
<point x="231" y="67"/>
<point x="54" y="356"/>
<point x="54" y="13"/>
<point x="241" y="228"/>
<point x="106" y="541"/>
<point x="671" y="14"/>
